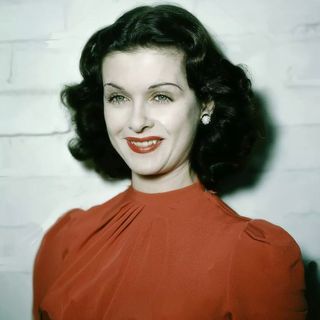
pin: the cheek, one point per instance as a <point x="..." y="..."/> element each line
<point x="114" y="121"/>
<point x="184" y="121"/>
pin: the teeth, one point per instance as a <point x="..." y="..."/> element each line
<point x="144" y="143"/>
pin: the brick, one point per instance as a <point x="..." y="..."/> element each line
<point x="268" y="18"/>
<point x="18" y="246"/>
<point x="16" y="295"/>
<point x="279" y="194"/>
<point x="5" y="62"/>
<point x="38" y="156"/>
<point x="286" y="76"/>
<point x="309" y="30"/>
<point x="306" y="234"/>
<point x="292" y="63"/>
<point x="292" y="89"/>
<point x="294" y="107"/>
<point x="295" y="148"/>
<point x="40" y="68"/>
<point x="32" y="114"/>
<point x="289" y="199"/>
<point x="218" y="19"/>
<point x="285" y="17"/>
<point x="82" y="20"/>
<point x="39" y="201"/>
<point x="302" y="67"/>
<point x="30" y="19"/>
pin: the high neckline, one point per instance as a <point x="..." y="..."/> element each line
<point x="168" y="196"/>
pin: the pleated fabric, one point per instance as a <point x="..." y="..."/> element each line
<point x="182" y="254"/>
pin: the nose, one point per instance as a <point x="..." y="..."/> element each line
<point x="139" y="119"/>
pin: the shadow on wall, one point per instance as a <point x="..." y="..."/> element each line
<point x="312" y="289"/>
<point x="250" y="175"/>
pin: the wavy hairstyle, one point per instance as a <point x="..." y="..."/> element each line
<point x="218" y="147"/>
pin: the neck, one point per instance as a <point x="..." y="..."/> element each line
<point x="181" y="177"/>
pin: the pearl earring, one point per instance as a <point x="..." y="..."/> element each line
<point x="205" y="119"/>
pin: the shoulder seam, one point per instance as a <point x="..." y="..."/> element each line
<point x="226" y="208"/>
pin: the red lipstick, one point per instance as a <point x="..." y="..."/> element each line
<point x="145" y="144"/>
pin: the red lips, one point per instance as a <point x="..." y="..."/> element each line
<point x="146" y="147"/>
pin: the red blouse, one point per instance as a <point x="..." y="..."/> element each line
<point x="177" y="255"/>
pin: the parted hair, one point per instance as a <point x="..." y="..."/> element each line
<point x="219" y="147"/>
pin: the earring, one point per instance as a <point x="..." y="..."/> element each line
<point x="205" y="119"/>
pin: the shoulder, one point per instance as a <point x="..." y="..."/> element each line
<point x="266" y="232"/>
<point x="63" y="222"/>
<point x="56" y="237"/>
<point x="262" y="244"/>
<point x="50" y="256"/>
<point x="68" y="228"/>
<point x="254" y="231"/>
<point x="267" y="272"/>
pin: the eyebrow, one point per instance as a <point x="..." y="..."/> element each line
<point x="151" y="87"/>
<point x="113" y="85"/>
<point x="165" y="84"/>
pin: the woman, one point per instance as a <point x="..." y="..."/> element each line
<point x="161" y="105"/>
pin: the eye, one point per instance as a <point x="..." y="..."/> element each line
<point x="117" y="99"/>
<point x="162" y="98"/>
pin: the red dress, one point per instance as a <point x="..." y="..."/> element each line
<point x="177" y="255"/>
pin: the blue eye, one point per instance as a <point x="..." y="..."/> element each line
<point x="117" y="99"/>
<point x="161" y="98"/>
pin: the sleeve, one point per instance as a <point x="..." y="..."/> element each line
<point x="49" y="258"/>
<point x="266" y="275"/>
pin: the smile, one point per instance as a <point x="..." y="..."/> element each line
<point x="144" y="145"/>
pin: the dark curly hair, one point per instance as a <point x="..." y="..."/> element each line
<point x="219" y="147"/>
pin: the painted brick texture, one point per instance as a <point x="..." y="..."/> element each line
<point x="40" y="44"/>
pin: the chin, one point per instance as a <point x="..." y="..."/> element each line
<point x="144" y="164"/>
<point x="146" y="170"/>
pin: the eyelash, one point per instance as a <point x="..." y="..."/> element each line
<point x="114" y="99"/>
<point x="118" y="99"/>
<point x="164" y="98"/>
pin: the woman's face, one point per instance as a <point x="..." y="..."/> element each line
<point x="151" y="113"/>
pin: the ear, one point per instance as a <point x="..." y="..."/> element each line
<point x="208" y="108"/>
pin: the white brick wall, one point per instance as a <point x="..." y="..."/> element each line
<point x="40" y="43"/>
<point x="32" y="113"/>
<point x="30" y="19"/>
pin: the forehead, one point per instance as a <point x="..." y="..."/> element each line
<point x="144" y="65"/>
